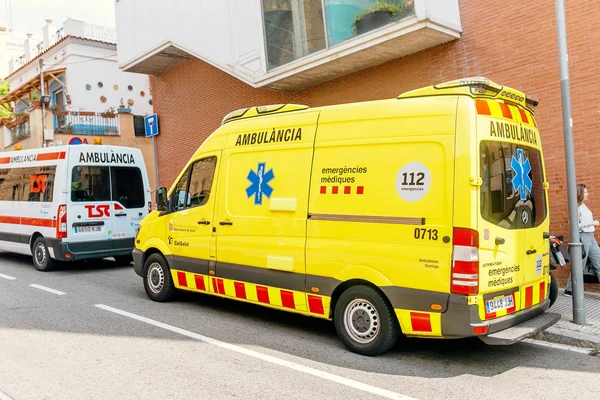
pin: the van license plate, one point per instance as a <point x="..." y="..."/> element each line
<point x="498" y="304"/>
<point x="82" y="229"/>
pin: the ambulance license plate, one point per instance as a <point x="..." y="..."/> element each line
<point x="83" y="229"/>
<point x="501" y="303"/>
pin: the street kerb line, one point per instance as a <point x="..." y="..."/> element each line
<point x="274" y="360"/>
<point x="8" y="277"/>
<point x="4" y="396"/>
<point x="47" y="289"/>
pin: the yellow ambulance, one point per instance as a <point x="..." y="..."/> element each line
<point x="424" y="215"/>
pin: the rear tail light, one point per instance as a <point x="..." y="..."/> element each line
<point x="465" y="262"/>
<point x="61" y="225"/>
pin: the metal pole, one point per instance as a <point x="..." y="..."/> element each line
<point x="575" y="245"/>
<point x="155" y="163"/>
<point x="41" y="97"/>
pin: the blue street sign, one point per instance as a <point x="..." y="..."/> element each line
<point x="151" y="125"/>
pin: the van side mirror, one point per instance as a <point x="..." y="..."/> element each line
<point x="161" y="199"/>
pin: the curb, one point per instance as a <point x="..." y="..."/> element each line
<point x="569" y="337"/>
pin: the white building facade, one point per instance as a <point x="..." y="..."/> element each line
<point x="285" y="45"/>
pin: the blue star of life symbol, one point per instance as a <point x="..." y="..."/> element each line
<point x="260" y="183"/>
<point x="521" y="181"/>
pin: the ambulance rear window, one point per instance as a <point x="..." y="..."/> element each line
<point x="511" y="195"/>
<point x="127" y="186"/>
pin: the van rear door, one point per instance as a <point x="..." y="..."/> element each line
<point x="89" y="208"/>
<point x="512" y="211"/>
<point x="129" y="204"/>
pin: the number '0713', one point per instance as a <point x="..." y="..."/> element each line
<point x="424" y="234"/>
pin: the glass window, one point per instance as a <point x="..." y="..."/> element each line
<point x="179" y="194"/>
<point x="293" y="29"/>
<point x="201" y="181"/>
<point x="127" y="186"/>
<point x="512" y="194"/>
<point x="38" y="183"/>
<point x="90" y="184"/>
<point x="10" y="185"/>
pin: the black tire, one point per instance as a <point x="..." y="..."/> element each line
<point x="372" y="327"/>
<point x="157" y="278"/>
<point x="124" y="260"/>
<point x="553" y="292"/>
<point x="41" y="256"/>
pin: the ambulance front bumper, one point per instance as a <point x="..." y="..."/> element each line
<point x="460" y="320"/>
<point x="138" y="255"/>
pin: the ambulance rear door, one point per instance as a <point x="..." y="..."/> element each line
<point x="512" y="209"/>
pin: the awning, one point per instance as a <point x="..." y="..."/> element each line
<point x="22" y="92"/>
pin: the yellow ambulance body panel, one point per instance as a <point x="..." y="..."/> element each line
<point x="424" y="215"/>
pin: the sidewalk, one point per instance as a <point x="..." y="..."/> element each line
<point x="566" y="332"/>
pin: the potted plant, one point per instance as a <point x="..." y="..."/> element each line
<point x="110" y="112"/>
<point x="35" y="100"/>
<point x="380" y="14"/>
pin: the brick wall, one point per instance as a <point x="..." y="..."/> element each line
<point x="513" y="43"/>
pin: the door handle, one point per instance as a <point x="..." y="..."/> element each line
<point x="225" y="223"/>
<point x="546" y="235"/>
<point x="500" y="241"/>
<point x="528" y="252"/>
<point x="203" y="222"/>
<point x="121" y="215"/>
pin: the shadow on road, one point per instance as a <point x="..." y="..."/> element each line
<point x="73" y="266"/>
<point x="247" y="324"/>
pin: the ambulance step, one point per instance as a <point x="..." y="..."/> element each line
<point x="523" y="330"/>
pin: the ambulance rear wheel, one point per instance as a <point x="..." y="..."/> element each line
<point x="157" y="278"/>
<point x="365" y="322"/>
<point x="41" y="256"/>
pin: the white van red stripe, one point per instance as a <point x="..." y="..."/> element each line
<point x="40" y="157"/>
<point x="43" y="222"/>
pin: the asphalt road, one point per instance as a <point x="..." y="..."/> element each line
<point x="96" y="335"/>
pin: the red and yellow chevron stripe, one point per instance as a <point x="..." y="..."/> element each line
<point x="303" y="303"/>
<point x="500" y="109"/>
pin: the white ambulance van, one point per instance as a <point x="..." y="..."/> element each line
<point x="70" y="203"/>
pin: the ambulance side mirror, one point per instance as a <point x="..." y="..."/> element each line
<point x="161" y="199"/>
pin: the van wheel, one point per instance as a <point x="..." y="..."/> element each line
<point x="553" y="292"/>
<point x="123" y="260"/>
<point x="364" y="321"/>
<point x="41" y="256"/>
<point x="157" y="278"/>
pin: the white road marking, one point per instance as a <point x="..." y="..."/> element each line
<point x="284" y="363"/>
<point x="4" y="396"/>
<point x="47" y="289"/>
<point x="10" y="278"/>
<point x="559" y="346"/>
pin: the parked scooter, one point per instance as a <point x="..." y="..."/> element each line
<point x="559" y="257"/>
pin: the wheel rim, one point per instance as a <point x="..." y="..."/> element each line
<point x="155" y="277"/>
<point x="361" y="321"/>
<point x="40" y="254"/>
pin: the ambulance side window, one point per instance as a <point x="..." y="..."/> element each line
<point x="201" y="181"/>
<point x="178" y="196"/>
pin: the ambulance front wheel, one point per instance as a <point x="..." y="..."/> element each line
<point x="41" y="256"/>
<point x="157" y="278"/>
<point x="365" y="322"/>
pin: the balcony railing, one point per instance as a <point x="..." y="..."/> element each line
<point x="101" y="33"/>
<point x="85" y="123"/>
<point x="19" y="129"/>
